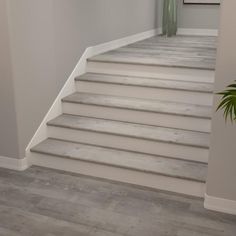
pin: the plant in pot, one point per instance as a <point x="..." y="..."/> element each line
<point x="228" y="102"/>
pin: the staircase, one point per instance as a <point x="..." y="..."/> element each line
<point x="141" y="115"/>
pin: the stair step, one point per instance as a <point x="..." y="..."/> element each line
<point x="151" y="52"/>
<point x="138" y="58"/>
<point x="146" y="105"/>
<point x="140" y="115"/>
<point x="138" y="131"/>
<point x="123" y="159"/>
<point x="168" y="90"/>
<point x="147" y="82"/>
<point x="169" y="73"/>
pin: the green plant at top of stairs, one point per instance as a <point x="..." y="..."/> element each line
<point x="228" y="102"/>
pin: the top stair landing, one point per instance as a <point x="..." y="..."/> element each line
<point x="191" y="52"/>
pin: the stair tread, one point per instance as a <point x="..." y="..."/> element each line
<point x="139" y="58"/>
<point x="190" y="53"/>
<point x="140" y="131"/>
<point x="147" y="82"/>
<point x="148" y="105"/>
<point x="124" y="159"/>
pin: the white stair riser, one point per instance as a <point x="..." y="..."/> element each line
<point x="131" y="144"/>
<point x="146" y="93"/>
<point x="141" y="117"/>
<point x="163" y="72"/>
<point x="119" y="174"/>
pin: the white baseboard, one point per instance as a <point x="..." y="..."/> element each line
<point x="220" y="204"/>
<point x="197" y="32"/>
<point x="69" y="87"/>
<point x="13" y="163"/>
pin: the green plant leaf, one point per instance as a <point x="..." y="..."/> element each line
<point x="228" y="102"/>
<point x="223" y="102"/>
<point x="232" y="86"/>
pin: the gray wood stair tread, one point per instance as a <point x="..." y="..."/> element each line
<point x="147" y="132"/>
<point x="130" y="160"/>
<point x="147" y="82"/>
<point x="180" y="41"/>
<point x="139" y="58"/>
<point x="152" y="51"/>
<point x="148" y="105"/>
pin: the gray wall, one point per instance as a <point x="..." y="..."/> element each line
<point x="198" y="16"/>
<point x="47" y="39"/>
<point x="194" y="16"/>
<point x="222" y="165"/>
<point x="8" y="129"/>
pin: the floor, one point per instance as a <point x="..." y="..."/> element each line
<point x="44" y="202"/>
<point x="180" y="51"/>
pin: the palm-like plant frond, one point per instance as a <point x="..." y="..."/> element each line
<point x="228" y="102"/>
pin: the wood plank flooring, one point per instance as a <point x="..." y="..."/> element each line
<point x="44" y="202"/>
<point x="148" y="82"/>
<point x="196" y="52"/>
<point x="139" y="131"/>
<point x="123" y="159"/>
<point x="138" y="104"/>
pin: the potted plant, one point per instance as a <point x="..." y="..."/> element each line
<point x="228" y="102"/>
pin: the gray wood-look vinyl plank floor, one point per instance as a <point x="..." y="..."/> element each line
<point x="140" y="131"/>
<point x="45" y="202"/>
<point x="147" y="105"/>
<point x="180" y="51"/>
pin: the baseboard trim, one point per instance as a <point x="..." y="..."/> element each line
<point x="13" y="163"/>
<point x="220" y="204"/>
<point x="80" y="68"/>
<point x="197" y="32"/>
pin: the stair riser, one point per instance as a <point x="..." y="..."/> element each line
<point x="131" y="144"/>
<point x="141" y="117"/>
<point x="146" y="93"/>
<point x="152" y="71"/>
<point x="118" y="174"/>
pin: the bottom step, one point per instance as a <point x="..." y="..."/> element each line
<point x="152" y="171"/>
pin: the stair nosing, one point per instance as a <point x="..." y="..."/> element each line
<point x="80" y="79"/>
<point x="140" y="77"/>
<point x="64" y="100"/>
<point x="50" y="123"/>
<point x="119" y="165"/>
<point x="128" y="151"/>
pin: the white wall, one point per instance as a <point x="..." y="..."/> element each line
<point x="221" y="181"/>
<point x="194" y="16"/>
<point x="198" y="16"/>
<point x="47" y="38"/>
<point x="8" y="127"/>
